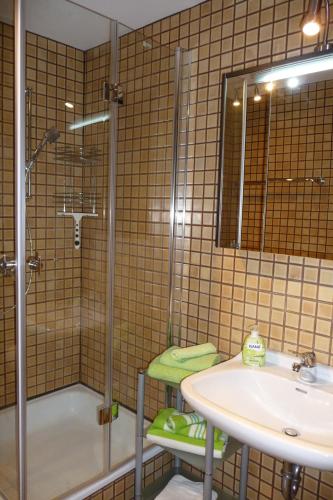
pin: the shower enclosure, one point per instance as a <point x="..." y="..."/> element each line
<point x="93" y="149"/>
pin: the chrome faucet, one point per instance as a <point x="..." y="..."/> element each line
<point x="307" y="360"/>
<point x="306" y="367"/>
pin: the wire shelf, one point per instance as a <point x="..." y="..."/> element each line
<point x="78" y="156"/>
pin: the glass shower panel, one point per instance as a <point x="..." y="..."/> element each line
<point x="8" y="457"/>
<point x="143" y="190"/>
<point x="179" y="241"/>
<point x="67" y="61"/>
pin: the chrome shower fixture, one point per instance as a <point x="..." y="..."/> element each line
<point x="51" y="136"/>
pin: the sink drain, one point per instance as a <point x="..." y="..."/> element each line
<point x="289" y="431"/>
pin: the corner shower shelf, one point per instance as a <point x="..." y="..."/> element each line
<point x="80" y="201"/>
<point x="78" y="155"/>
<point x="205" y="463"/>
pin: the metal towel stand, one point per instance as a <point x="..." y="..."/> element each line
<point x="209" y="451"/>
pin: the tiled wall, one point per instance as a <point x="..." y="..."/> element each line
<point x="257" y="124"/>
<point x="225" y="291"/>
<point x="231" y="175"/>
<point x="55" y="73"/>
<point x="94" y="235"/>
<point x="298" y="213"/>
<point x="142" y="218"/>
<point x="142" y="214"/>
<point x="123" y="488"/>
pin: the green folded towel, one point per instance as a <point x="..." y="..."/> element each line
<point x="196" y="364"/>
<point x="188" y="424"/>
<point x="159" y="428"/>
<point x="162" y="418"/>
<point x="167" y="373"/>
<point x="176" y="421"/>
<point x="196" y="351"/>
<point x="199" y="431"/>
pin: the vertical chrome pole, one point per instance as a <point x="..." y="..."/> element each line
<point x="221" y="162"/>
<point x="179" y="407"/>
<point x="111" y="243"/>
<point x="20" y="243"/>
<point x="175" y="148"/>
<point x="244" y="472"/>
<point x="209" y="463"/>
<point x="178" y="64"/>
<point x="140" y="421"/>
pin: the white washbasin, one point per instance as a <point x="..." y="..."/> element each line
<point x="256" y="405"/>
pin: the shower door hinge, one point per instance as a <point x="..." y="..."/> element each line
<point x="107" y="414"/>
<point x="113" y="92"/>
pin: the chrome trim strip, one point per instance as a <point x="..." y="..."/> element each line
<point x="218" y="236"/>
<point x="184" y="120"/>
<point x="111" y="214"/>
<point x="175" y="144"/>
<point x="20" y="244"/>
<point x="242" y="168"/>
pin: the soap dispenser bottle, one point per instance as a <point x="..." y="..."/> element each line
<point x="254" y="349"/>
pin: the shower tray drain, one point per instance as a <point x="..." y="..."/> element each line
<point x="289" y="431"/>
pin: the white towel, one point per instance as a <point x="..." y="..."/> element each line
<point x="180" y="487"/>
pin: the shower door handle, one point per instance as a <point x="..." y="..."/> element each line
<point x="34" y="263"/>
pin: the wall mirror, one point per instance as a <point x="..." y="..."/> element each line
<point x="276" y="176"/>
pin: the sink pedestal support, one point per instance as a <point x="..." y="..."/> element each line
<point x="244" y="472"/>
<point x="209" y="453"/>
<point x="290" y="481"/>
<point x="208" y="479"/>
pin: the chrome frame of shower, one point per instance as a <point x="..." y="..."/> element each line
<point x="111" y="244"/>
<point x="20" y="106"/>
<point x="175" y="147"/>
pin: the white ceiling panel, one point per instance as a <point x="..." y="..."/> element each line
<point x="138" y="13"/>
<point x="69" y="23"/>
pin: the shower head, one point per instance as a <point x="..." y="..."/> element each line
<point x="50" y="136"/>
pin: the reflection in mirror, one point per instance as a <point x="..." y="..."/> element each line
<point x="276" y="150"/>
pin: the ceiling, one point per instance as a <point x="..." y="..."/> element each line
<point x="138" y="13"/>
<point x="69" y="23"/>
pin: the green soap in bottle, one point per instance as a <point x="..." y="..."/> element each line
<point x="254" y="349"/>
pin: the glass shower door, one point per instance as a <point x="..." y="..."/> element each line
<point x="66" y="227"/>
<point x="8" y="409"/>
<point x="68" y="216"/>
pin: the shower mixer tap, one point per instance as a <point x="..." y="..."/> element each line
<point x="7" y="266"/>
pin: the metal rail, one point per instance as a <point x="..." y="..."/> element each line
<point x="20" y="107"/>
